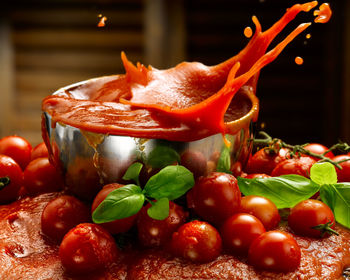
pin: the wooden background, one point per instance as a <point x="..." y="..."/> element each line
<point x="45" y="45"/>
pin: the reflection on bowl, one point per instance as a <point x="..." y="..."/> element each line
<point x="90" y="160"/>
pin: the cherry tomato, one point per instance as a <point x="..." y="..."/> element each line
<point x="194" y="161"/>
<point x="237" y="169"/>
<point x="11" y="179"/>
<point x="319" y="149"/>
<point x="196" y="241"/>
<point x="308" y="214"/>
<point x="276" y="251"/>
<point x="262" y="208"/>
<point x="264" y="161"/>
<point x="216" y="197"/>
<point x="300" y="166"/>
<point x="257" y="175"/>
<point x="62" y="214"/>
<point x="87" y="247"/>
<point x="39" y="150"/>
<point x="344" y="173"/>
<point x="17" y="148"/>
<point x="117" y="226"/>
<point x="239" y="231"/>
<point x="154" y="233"/>
<point x="41" y="176"/>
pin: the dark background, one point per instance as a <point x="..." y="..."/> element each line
<point x="45" y="45"/>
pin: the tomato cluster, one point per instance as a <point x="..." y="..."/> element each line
<point x="214" y="218"/>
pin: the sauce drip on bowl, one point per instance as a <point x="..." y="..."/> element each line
<point x="184" y="103"/>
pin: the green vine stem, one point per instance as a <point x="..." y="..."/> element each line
<point x="4" y="181"/>
<point x="276" y="144"/>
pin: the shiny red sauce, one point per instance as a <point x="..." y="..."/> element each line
<point x="323" y="14"/>
<point x="184" y="103"/>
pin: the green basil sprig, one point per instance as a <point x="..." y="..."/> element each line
<point x="169" y="183"/>
<point x="224" y="162"/>
<point x="288" y="190"/>
<point x="162" y="156"/>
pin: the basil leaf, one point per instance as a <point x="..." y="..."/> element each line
<point x="337" y="197"/>
<point x="162" y="156"/>
<point x="133" y="172"/>
<point x="323" y="173"/>
<point x="120" y="203"/>
<point x="159" y="210"/>
<point x="172" y="182"/>
<point x="224" y="162"/>
<point x="285" y="191"/>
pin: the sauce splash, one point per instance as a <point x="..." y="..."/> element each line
<point x="185" y="103"/>
<point x="102" y="22"/>
<point x="248" y="32"/>
<point x="299" y="60"/>
<point x="324" y="13"/>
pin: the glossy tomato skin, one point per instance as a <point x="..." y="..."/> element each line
<point x="276" y="251"/>
<point x="264" y="161"/>
<point x="344" y="173"/>
<point x="307" y="214"/>
<point x="239" y="231"/>
<point x="299" y="165"/>
<point x="39" y="150"/>
<point x="256" y="175"/>
<point x="41" y="176"/>
<point x="117" y="226"/>
<point x="155" y="233"/>
<point x="17" y="148"/>
<point x="318" y="149"/>
<point x="9" y="168"/>
<point x="87" y="247"/>
<point x="215" y="197"/>
<point x="262" y="208"/>
<point x="196" y="241"/>
<point x="62" y="214"/>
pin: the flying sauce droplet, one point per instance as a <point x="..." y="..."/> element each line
<point x="102" y="22"/>
<point x="248" y="32"/>
<point x="299" y="60"/>
<point x="324" y="13"/>
<point x="308" y="36"/>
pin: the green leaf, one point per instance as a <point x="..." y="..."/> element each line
<point x="285" y="191"/>
<point x="171" y="182"/>
<point x="337" y="197"/>
<point x="323" y="173"/>
<point x="162" y="156"/>
<point x="133" y="172"/>
<point x="224" y="162"/>
<point x="159" y="210"/>
<point x="120" y="203"/>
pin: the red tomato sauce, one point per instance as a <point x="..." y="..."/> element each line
<point x="184" y="103"/>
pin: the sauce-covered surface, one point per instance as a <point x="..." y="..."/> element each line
<point x="26" y="254"/>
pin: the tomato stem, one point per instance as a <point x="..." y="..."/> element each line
<point x="326" y="228"/>
<point x="276" y="144"/>
<point x="4" y="181"/>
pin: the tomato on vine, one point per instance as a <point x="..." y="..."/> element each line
<point x="11" y="179"/>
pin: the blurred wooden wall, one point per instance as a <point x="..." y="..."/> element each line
<point x="45" y="45"/>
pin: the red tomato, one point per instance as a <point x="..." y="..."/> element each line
<point x="194" y="161"/>
<point x="264" y="161"/>
<point x="41" y="176"/>
<point x="318" y="149"/>
<point x="308" y="214"/>
<point x="216" y="197"/>
<point x="239" y="231"/>
<point x="117" y="226"/>
<point x="17" y="148"/>
<point x="275" y="250"/>
<point x="196" y="241"/>
<point x="9" y="169"/>
<point x="300" y="166"/>
<point x="262" y="208"/>
<point x="153" y="233"/>
<point x="344" y="173"/>
<point x="39" y="150"/>
<point x="87" y="247"/>
<point x="62" y="214"/>
<point x="257" y="175"/>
